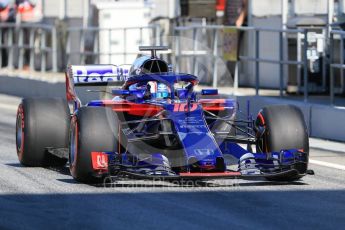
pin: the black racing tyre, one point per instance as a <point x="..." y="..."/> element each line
<point x="41" y="123"/>
<point x="93" y="129"/>
<point x="282" y="127"/>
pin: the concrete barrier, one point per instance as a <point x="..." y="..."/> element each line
<point x="41" y="87"/>
<point x="24" y="87"/>
<point x="326" y="122"/>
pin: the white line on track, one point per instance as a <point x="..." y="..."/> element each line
<point x="327" y="164"/>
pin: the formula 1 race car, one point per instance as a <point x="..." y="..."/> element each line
<point x="157" y="127"/>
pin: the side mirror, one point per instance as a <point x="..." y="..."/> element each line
<point x="124" y="92"/>
<point x="120" y="92"/>
<point x="209" y="92"/>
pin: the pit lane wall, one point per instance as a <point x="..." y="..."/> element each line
<point x="323" y="121"/>
<point x="326" y="122"/>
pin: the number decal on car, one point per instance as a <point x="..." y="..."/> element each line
<point x="183" y="107"/>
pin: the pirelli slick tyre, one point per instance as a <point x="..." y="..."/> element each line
<point x="41" y="123"/>
<point x="282" y="127"/>
<point x="93" y="129"/>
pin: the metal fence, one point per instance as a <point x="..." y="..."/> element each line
<point x="37" y="46"/>
<point x="214" y="54"/>
<point x="282" y="58"/>
<point x="336" y="65"/>
<point x="96" y="45"/>
<point x="34" y="45"/>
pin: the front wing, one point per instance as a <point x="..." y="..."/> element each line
<point x="251" y="165"/>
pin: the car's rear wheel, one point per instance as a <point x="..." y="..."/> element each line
<point x="281" y="127"/>
<point x="41" y="123"/>
<point x="93" y="129"/>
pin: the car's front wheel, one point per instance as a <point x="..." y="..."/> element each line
<point x="282" y="127"/>
<point x="93" y="129"/>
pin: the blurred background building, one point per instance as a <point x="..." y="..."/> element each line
<point x="109" y="31"/>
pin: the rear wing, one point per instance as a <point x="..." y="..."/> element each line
<point x="96" y="75"/>
<point x="92" y="75"/>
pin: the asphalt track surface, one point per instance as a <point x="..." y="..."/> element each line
<point x="48" y="198"/>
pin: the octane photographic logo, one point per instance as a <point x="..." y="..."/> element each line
<point x="171" y="185"/>
<point x="195" y="62"/>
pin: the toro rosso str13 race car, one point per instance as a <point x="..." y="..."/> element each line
<point x="155" y="126"/>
